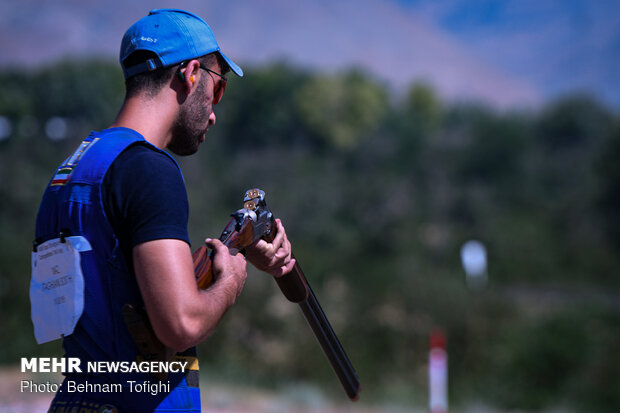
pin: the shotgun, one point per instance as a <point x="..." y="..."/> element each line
<point x="250" y="223"/>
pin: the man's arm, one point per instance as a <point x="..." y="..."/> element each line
<point x="181" y="314"/>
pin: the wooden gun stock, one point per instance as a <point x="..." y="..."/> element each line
<point x="256" y="221"/>
<point x="235" y="241"/>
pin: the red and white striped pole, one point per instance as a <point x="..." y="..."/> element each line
<point x="438" y="373"/>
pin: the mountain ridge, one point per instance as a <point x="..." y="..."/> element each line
<point x="393" y="42"/>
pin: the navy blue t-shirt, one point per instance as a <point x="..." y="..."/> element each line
<point x="145" y="199"/>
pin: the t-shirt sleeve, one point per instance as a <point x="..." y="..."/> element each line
<point x="145" y="197"/>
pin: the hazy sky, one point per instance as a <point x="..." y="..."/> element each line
<point x="558" y="45"/>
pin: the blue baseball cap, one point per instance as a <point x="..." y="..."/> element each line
<point x="174" y="36"/>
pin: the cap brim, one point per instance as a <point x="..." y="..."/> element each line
<point x="233" y="66"/>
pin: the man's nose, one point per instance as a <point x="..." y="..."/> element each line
<point x="212" y="119"/>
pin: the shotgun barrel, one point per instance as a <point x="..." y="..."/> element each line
<point x="295" y="286"/>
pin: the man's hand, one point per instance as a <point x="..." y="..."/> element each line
<point x="272" y="257"/>
<point x="228" y="269"/>
<point x="181" y="314"/>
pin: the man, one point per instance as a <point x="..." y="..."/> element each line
<point x="119" y="209"/>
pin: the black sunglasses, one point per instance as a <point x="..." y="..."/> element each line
<point x="224" y="79"/>
<point x="219" y="92"/>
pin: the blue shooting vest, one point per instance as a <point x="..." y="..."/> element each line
<point x="72" y="204"/>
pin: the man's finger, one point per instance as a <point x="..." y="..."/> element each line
<point x="285" y="269"/>
<point x="277" y="241"/>
<point x="215" y="244"/>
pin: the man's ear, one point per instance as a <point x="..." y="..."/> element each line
<point x="187" y="73"/>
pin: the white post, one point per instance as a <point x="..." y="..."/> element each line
<point x="438" y="373"/>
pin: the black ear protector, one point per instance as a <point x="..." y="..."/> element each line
<point x="181" y="74"/>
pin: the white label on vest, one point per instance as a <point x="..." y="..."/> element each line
<point x="57" y="287"/>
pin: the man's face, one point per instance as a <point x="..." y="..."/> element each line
<point x="194" y="119"/>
